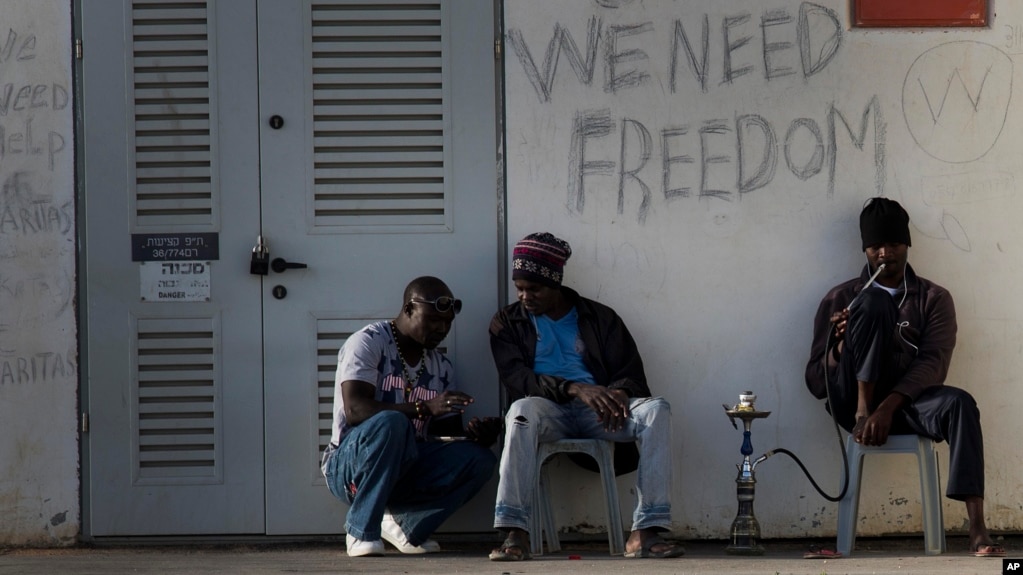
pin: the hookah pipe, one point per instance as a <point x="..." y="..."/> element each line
<point x="827" y="389"/>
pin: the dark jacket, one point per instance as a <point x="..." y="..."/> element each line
<point x="924" y="342"/>
<point x="611" y="357"/>
<point x="611" y="354"/>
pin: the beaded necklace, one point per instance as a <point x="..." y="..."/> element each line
<point x="409" y="382"/>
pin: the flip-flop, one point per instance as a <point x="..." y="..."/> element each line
<point x="503" y="553"/>
<point x="993" y="550"/>
<point x="647" y="552"/>
<point x="817" y="552"/>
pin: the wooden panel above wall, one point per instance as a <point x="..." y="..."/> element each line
<point x="906" y="13"/>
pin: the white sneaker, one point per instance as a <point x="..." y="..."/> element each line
<point x="392" y="533"/>
<point x="360" y="548"/>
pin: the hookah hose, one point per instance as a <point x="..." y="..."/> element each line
<point x="834" y="419"/>
<point x="838" y="432"/>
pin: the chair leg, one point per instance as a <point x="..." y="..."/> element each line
<point x="542" y="518"/>
<point x="550" y="526"/>
<point x="930" y="494"/>
<point x="536" y="520"/>
<point x="849" y="506"/>
<point x="615" y="537"/>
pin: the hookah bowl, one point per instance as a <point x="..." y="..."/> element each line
<point x="745" y="532"/>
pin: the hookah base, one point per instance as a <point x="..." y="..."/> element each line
<point x="744" y="549"/>
<point x="745" y="534"/>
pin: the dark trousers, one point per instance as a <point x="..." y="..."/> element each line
<point x="942" y="412"/>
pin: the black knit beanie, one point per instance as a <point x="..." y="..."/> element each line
<point x="884" y="221"/>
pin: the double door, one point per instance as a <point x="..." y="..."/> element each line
<point x="357" y="139"/>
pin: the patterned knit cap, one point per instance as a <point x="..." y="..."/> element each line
<point x="540" y="258"/>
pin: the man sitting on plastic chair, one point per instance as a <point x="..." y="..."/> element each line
<point x="573" y="371"/>
<point x="881" y="353"/>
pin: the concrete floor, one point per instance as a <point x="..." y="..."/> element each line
<point x="903" y="556"/>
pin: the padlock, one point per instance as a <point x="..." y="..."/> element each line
<point x="260" y="264"/>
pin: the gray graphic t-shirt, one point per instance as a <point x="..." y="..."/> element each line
<point x="371" y="355"/>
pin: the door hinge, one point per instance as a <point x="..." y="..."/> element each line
<point x="78" y="48"/>
<point x="497" y="48"/>
<point x="85" y="422"/>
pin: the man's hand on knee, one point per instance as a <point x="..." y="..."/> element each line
<point x="610" y="405"/>
<point x="876" y="428"/>
<point x="879" y="423"/>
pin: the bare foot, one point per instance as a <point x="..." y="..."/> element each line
<point x="514" y="548"/>
<point x="983" y="544"/>
<point x="857" y="430"/>
<point x="646" y="543"/>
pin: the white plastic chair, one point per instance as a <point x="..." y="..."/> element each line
<point x="602" y="452"/>
<point x="930" y="492"/>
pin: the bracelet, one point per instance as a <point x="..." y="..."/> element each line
<point x="419" y="410"/>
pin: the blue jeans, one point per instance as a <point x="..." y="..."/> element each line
<point x="532" y="420"/>
<point x="379" y="465"/>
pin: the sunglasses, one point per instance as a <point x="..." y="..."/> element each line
<point x="443" y="304"/>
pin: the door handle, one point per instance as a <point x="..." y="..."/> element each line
<point x="280" y="264"/>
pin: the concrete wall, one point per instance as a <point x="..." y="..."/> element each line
<point x="707" y="160"/>
<point x="39" y="483"/>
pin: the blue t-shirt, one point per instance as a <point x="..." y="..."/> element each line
<point x="559" y="349"/>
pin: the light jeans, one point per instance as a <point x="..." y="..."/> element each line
<point x="533" y="420"/>
<point x="379" y="465"/>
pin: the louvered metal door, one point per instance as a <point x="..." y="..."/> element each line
<point x="208" y="416"/>
<point x="383" y="170"/>
<point x="174" y="390"/>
